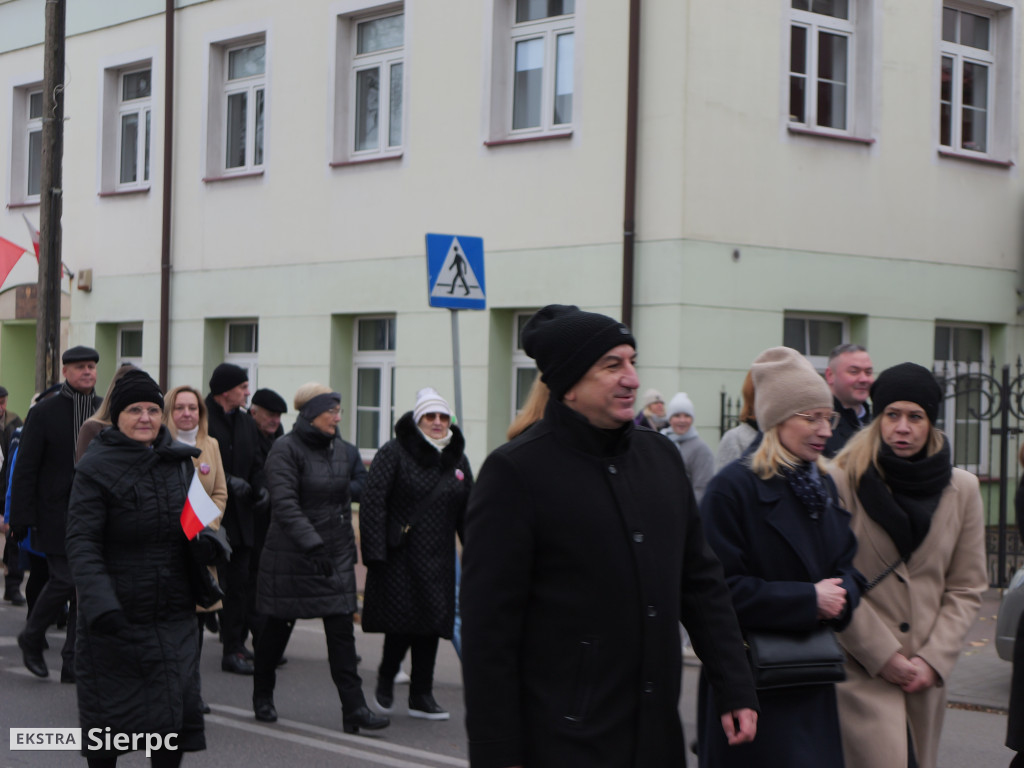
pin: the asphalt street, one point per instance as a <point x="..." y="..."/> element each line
<point x="308" y="733"/>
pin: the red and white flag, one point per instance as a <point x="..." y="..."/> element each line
<point x="33" y="233"/>
<point x="199" y="509"/>
<point x="10" y="253"/>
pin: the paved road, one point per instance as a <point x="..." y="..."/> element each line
<point x="309" y="734"/>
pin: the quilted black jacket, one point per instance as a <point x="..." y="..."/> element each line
<point x="411" y="590"/>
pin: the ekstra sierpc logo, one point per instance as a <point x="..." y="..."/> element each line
<point x="46" y="739"/>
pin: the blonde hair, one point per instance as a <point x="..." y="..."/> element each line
<point x="863" y="448"/>
<point x="533" y="409"/>
<point x="772" y="458"/>
<point x="307" y="392"/>
<point x="168" y="418"/>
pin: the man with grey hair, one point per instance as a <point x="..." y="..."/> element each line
<point x="849" y="375"/>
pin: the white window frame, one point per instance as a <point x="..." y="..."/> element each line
<point x="123" y="359"/>
<point x="820" y="362"/>
<point x="961" y="54"/>
<point x="947" y="413"/>
<point x="863" y="71"/>
<point x="23" y="125"/>
<point x="112" y="109"/>
<point x="344" y="67"/>
<point x="247" y="359"/>
<point x="382" y="360"/>
<point x="520" y="361"/>
<point x="506" y="33"/>
<point x="220" y="89"/>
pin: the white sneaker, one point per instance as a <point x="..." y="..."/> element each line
<point x="401" y="678"/>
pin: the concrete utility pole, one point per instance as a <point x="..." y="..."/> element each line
<point x="50" y="200"/>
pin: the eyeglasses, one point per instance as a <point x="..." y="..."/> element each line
<point x="436" y="416"/>
<point x="136" y="411"/>
<point x="832" y="419"/>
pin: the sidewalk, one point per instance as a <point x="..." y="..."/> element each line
<point x="980" y="678"/>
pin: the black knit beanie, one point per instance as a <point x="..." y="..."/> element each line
<point x="133" y="387"/>
<point x="227" y="376"/>
<point x="907" y="381"/>
<point x="565" y="341"/>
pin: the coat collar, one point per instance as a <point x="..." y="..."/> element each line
<point x="411" y="439"/>
<point x="785" y="518"/>
<point x="574" y="429"/>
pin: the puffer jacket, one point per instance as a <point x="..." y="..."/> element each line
<point x="307" y="474"/>
<point x="127" y="553"/>
<point x="411" y="589"/>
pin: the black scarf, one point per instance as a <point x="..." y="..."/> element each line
<point x="905" y="500"/>
<point x="806" y="483"/>
<point x="82" y="404"/>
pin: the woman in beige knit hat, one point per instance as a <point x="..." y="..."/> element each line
<point x="787" y="551"/>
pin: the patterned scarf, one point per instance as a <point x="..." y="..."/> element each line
<point x="808" y="487"/>
<point x="83" y="408"/>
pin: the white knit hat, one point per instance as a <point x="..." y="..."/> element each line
<point x="680" y="403"/>
<point x="428" y="401"/>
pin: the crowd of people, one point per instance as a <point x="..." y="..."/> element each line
<point x="831" y="521"/>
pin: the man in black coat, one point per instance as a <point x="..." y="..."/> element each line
<point x="14" y="574"/>
<point x="584" y="550"/>
<point x="239" y="441"/>
<point x="849" y="375"/>
<point x="41" y="487"/>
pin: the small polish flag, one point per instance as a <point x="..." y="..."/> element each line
<point x="199" y="509"/>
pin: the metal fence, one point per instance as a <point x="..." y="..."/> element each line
<point x="983" y="417"/>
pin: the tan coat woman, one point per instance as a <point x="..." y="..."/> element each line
<point x="186" y="421"/>
<point x="908" y="631"/>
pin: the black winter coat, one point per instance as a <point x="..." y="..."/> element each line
<point x="848" y="426"/>
<point x="42" y="475"/>
<point x="1015" y="715"/>
<point x="584" y="550"/>
<point x="307" y="475"/>
<point x="411" y="590"/>
<point x="239" y="440"/>
<point x="773" y="553"/>
<point x="128" y="553"/>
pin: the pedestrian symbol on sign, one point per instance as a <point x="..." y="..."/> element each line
<point x="456" y="271"/>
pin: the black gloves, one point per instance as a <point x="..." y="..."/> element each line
<point x="110" y="623"/>
<point x="321" y="561"/>
<point x="262" y="503"/>
<point x="239" y="488"/>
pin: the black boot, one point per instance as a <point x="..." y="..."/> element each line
<point x="263" y="708"/>
<point x="363" y="718"/>
<point x="32" y="657"/>
<point x="384" y="696"/>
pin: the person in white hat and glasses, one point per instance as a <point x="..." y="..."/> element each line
<point x="413" y="504"/>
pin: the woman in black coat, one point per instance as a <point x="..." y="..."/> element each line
<point x="413" y="505"/>
<point x="307" y="569"/>
<point x="787" y="551"/>
<point x="136" y="663"/>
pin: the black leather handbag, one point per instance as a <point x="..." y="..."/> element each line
<point x="787" y="659"/>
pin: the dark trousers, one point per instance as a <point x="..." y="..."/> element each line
<point x="59" y="589"/>
<point x="341" y="656"/>
<point x="424" y="653"/>
<point x="38" y="575"/>
<point x="234" y="579"/>
<point x="14" y="575"/>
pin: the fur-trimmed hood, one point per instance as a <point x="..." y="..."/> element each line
<point x="426" y="455"/>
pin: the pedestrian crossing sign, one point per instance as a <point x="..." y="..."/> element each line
<point x="455" y="272"/>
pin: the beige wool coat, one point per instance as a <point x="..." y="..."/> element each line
<point x="924" y="608"/>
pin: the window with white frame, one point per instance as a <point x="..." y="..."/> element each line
<point x="814" y="336"/>
<point x="534" y="84"/>
<point x="237" y="108"/>
<point x="129" y="345"/>
<point x="961" y="352"/>
<point x="242" y="346"/>
<point x="377" y="78"/>
<point x="966" y="80"/>
<point x="26" y="144"/>
<point x="373" y="368"/>
<point x="134" y="119"/>
<point x="820" y="58"/>
<point x="524" y="369"/>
